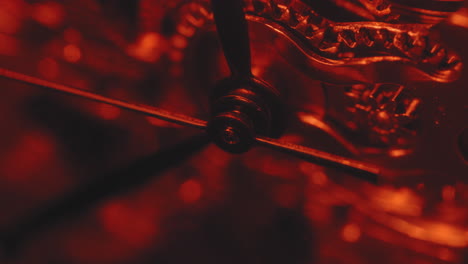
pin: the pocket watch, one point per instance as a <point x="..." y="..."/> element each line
<point x="255" y="131"/>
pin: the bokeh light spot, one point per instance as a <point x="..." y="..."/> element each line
<point x="179" y="42"/>
<point x="316" y="174"/>
<point x="190" y="191"/>
<point x="420" y="186"/>
<point x="446" y="254"/>
<point x="9" y="23"/>
<point x="460" y="18"/>
<point x="48" y="68"/>
<point x="150" y="40"/>
<point x="186" y="30"/>
<point x="148" y="47"/>
<point x="319" y="178"/>
<point x="396" y="153"/>
<point x="176" y="56"/>
<point x="108" y="112"/>
<point x="403" y="201"/>
<point x="448" y="193"/>
<point x="351" y="233"/>
<point x="8" y="45"/>
<point x="32" y="152"/>
<point x="49" y="14"/>
<point x="135" y="226"/>
<point x="71" y="53"/>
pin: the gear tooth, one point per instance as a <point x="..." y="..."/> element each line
<point x="329" y="42"/>
<point x="453" y="59"/>
<point x="375" y="34"/>
<point x="314" y="23"/>
<point x="293" y="20"/>
<point x="384" y="37"/>
<point x="417" y="48"/>
<point x="442" y="53"/>
<point x="317" y="38"/>
<point x="433" y="49"/>
<point x="402" y="41"/>
<point x="195" y="21"/>
<point x="438" y="57"/>
<point x="341" y="37"/>
<point x="205" y="12"/>
<point x="330" y="48"/>
<point x="302" y="26"/>
<point x="302" y="19"/>
<point x="421" y="41"/>
<point x="347" y="37"/>
<point x="186" y="29"/>
<point x="451" y="62"/>
<point x="276" y="12"/>
<point x="365" y="37"/>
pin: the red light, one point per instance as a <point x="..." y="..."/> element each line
<point x="8" y="45"/>
<point x="448" y="193"/>
<point x="32" y="152"/>
<point x="108" y="112"/>
<point x="72" y="53"/>
<point x="9" y="23"/>
<point x="135" y="226"/>
<point x="148" y="47"/>
<point x="190" y="191"/>
<point x="351" y="233"/>
<point x="48" y="68"/>
<point x="49" y="14"/>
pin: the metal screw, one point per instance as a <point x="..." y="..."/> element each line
<point x="230" y="136"/>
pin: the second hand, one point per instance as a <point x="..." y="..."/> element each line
<point x="143" y="109"/>
<point x="356" y="168"/>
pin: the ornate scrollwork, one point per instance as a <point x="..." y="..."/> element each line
<point x="381" y="54"/>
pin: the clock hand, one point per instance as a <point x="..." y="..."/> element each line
<point x="143" y="109"/>
<point x="356" y="168"/>
<point x="234" y="36"/>
<point x="101" y="188"/>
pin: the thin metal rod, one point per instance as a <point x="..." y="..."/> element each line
<point x="143" y="109"/>
<point x="358" y="169"/>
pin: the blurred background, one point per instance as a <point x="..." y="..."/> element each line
<point x="258" y="207"/>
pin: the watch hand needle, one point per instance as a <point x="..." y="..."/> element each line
<point x="359" y="169"/>
<point x="234" y="36"/>
<point x="323" y="158"/>
<point x="143" y="109"/>
<point x="90" y="194"/>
